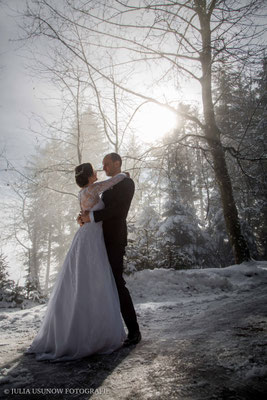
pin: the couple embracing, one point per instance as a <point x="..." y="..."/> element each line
<point x="83" y="315"/>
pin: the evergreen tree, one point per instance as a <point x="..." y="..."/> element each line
<point x="11" y="295"/>
<point x="184" y="243"/>
<point x="143" y="248"/>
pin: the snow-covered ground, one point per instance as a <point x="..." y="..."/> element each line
<point x="204" y="337"/>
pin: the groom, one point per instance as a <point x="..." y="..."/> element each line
<point x="117" y="202"/>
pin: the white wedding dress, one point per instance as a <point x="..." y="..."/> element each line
<point x="83" y="313"/>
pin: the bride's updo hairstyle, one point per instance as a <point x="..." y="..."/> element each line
<point x="82" y="173"/>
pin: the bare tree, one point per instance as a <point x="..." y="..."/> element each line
<point x="174" y="38"/>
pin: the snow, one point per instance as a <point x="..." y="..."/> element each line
<point x="160" y="285"/>
<point x="204" y="337"/>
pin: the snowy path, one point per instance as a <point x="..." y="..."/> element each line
<point x="204" y="337"/>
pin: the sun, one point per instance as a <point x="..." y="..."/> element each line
<point x="153" y="121"/>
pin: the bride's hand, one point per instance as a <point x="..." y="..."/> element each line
<point x="85" y="217"/>
<point x="79" y="220"/>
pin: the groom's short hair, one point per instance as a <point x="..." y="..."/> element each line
<point x="115" y="157"/>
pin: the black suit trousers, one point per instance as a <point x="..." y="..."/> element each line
<point x="115" y="254"/>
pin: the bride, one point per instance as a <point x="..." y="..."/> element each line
<point x="83" y="313"/>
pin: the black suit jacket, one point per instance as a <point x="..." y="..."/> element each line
<point x="117" y="202"/>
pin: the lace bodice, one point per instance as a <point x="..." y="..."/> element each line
<point x="90" y="195"/>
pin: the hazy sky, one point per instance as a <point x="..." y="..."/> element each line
<point x="20" y="94"/>
<point x="16" y="90"/>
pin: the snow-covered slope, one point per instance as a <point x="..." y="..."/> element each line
<point x="169" y="285"/>
<point x="204" y="335"/>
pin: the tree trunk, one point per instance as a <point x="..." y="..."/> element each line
<point x="34" y="269"/>
<point x="48" y="263"/>
<point x="78" y="143"/>
<point x="212" y="133"/>
<point x="200" y="185"/>
<point x="237" y="240"/>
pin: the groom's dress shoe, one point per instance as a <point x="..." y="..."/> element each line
<point x="132" y="339"/>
